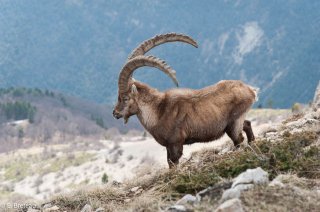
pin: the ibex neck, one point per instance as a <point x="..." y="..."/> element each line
<point x="148" y="108"/>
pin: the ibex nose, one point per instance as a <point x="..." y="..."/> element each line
<point x="116" y="114"/>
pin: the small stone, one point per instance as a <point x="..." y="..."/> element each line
<point x="232" y="205"/>
<point x="87" y="208"/>
<point x="48" y="205"/>
<point x="296" y="130"/>
<point x="188" y="198"/>
<point x="53" y="208"/>
<point x="203" y="193"/>
<point x="100" y="209"/>
<point x="269" y="129"/>
<point x="276" y="182"/>
<point x="271" y="134"/>
<point x="127" y="200"/>
<point x="139" y="191"/>
<point x="230" y="194"/>
<point x="134" y="189"/>
<point x="116" y="183"/>
<point x="177" y="208"/>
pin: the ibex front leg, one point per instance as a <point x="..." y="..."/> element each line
<point x="174" y="152"/>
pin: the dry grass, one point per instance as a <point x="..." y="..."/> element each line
<point x="279" y="199"/>
<point x="294" y="117"/>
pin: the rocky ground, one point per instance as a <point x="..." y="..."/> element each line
<point x="39" y="172"/>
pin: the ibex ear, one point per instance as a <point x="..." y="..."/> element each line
<point x="134" y="89"/>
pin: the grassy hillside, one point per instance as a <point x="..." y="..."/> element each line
<point x="286" y="150"/>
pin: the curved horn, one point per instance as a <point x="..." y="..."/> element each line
<point x="160" y="39"/>
<point x="141" y="61"/>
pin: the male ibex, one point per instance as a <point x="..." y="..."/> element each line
<point x="182" y="116"/>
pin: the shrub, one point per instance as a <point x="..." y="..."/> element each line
<point x="296" y="108"/>
<point x="104" y="178"/>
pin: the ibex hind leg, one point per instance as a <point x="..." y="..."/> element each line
<point x="234" y="131"/>
<point x="248" y="130"/>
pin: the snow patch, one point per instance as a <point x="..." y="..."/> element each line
<point x="222" y="41"/>
<point x="275" y="78"/>
<point x="249" y="38"/>
<point x="136" y="22"/>
<point x="207" y="49"/>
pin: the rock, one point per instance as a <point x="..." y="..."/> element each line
<point x="296" y="130"/>
<point x="232" y="205"/>
<point x="177" y="208"/>
<point x="53" y="208"/>
<point x="213" y="191"/>
<point x="134" y="189"/>
<point x="47" y="205"/>
<point x="116" y="183"/>
<point x="230" y="194"/>
<point x="294" y="124"/>
<point x="277" y="181"/>
<point x="188" y="198"/>
<point x="235" y="192"/>
<point x="245" y="181"/>
<point x="99" y="209"/>
<point x="268" y="130"/>
<point x="87" y="208"/>
<point x="252" y="176"/>
<point x="271" y="134"/>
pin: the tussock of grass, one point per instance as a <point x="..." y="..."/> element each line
<point x="278" y="199"/>
<point x="111" y="199"/>
<point x="294" y="117"/>
<point x="288" y="156"/>
<point x="294" y="154"/>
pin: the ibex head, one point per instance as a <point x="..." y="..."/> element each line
<point x="126" y="105"/>
<point x="128" y="95"/>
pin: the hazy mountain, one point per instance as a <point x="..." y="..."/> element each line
<point x="79" y="46"/>
<point x="32" y="116"/>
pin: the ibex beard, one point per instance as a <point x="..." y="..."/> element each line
<point x="183" y="116"/>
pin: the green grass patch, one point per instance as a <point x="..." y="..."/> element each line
<point x="60" y="163"/>
<point x="21" y="167"/>
<point x="17" y="170"/>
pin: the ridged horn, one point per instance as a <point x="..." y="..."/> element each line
<point x="160" y="39"/>
<point x="141" y="61"/>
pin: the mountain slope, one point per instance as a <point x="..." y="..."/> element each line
<point x="78" y="47"/>
<point x="33" y="116"/>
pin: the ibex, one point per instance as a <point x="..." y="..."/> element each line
<point x="182" y="116"/>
